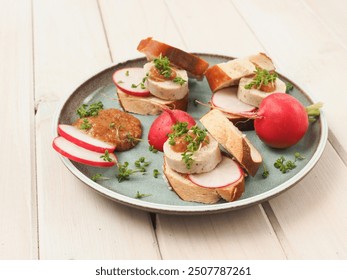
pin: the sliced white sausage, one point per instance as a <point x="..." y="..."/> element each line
<point x="167" y="90"/>
<point x="204" y="160"/>
<point x="254" y="96"/>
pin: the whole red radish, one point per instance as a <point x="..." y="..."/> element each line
<point x="282" y="120"/>
<point x="161" y="127"/>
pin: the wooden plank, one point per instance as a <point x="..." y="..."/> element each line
<point x="213" y="28"/>
<point x="242" y="234"/>
<point x="74" y="221"/>
<point x="312" y="215"/>
<point x="18" y="234"/>
<point x="332" y="14"/>
<point x="317" y="60"/>
<point x="136" y="20"/>
<point x="245" y="234"/>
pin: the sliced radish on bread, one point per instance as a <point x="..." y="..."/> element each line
<point x="226" y="173"/>
<point x="226" y="98"/>
<point x="78" y="137"/>
<point x="81" y="155"/>
<point x="131" y="81"/>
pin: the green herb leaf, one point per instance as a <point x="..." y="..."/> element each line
<point x="179" y="80"/>
<point x="141" y="195"/>
<point x="98" y="176"/>
<point x="156" y="173"/>
<point x="162" y="63"/>
<point x="265" y="173"/>
<point x="106" y="156"/>
<point x="289" y="87"/>
<point x="89" y="110"/>
<point x="86" y="125"/>
<point x="152" y="149"/>
<point x="262" y="77"/>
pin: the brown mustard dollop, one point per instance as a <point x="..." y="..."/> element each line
<point x="154" y="74"/>
<point x="181" y="144"/>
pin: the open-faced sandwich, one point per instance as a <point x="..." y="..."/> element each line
<point x="163" y="81"/>
<point x="240" y="85"/>
<point x="197" y="169"/>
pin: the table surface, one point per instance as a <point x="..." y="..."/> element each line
<point x="49" y="47"/>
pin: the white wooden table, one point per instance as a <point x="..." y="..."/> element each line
<point x="47" y="48"/>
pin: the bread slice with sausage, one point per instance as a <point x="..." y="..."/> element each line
<point x="229" y="73"/>
<point x="149" y="105"/>
<point x="189" y="191"/>
<point x="189" y="62"/>
<point x="233" y="140"/>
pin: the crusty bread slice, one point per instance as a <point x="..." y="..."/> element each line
<point x="150" y="105"/>
<point x="189" y="191"/>
<point x="189" y="62"/>
<point x="232" y="139"/>
<point x="229" y="73"/>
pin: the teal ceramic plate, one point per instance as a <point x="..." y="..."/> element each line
<point x="101" y="88"/>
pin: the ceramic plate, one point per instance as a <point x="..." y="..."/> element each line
<point x="101" y="88"/>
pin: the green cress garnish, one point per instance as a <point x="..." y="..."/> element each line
<point x="89" y="110"/>
<point x="85" y="125"/>
<point x="162" y="63"/>
<point x="179" y="80"/>
<point x="194" y="140"/>
<point x="106" y="156"/>
<point x="262" y="77"/>
<point x="141" y="195"/>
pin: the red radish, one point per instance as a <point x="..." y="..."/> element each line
<point x="131" y="81"/>
<point x="79" y="154"/>
<point x="226" y="173"/>
<point x="161" y="127"/>
<point x="281" y="120"/>
<point x="226" y="98"/>
<point x="83" y="140"/>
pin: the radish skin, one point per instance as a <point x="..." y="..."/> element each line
<point x="81" y="155"/>
<point x="125" y="78"/>
<point x="282" y="121"/>
<point x="225" y="173"/>
<point x="83" y="140"/>
<point x="162" y="125"/>
<point x="226" y="98"/>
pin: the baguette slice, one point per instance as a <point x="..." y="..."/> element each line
<point x="189" y="191"/>
<point x="232" y="139"/>
<point x="149" y="105"/>
<point x="229" y="73"/>
<point x="189" y="62"/>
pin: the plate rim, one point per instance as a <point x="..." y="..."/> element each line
<point x="196" y="209"/>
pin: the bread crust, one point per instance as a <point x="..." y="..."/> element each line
<point x="236" y="69"/>
<point x="232" y="139"/>
<point x="149" y="105"/>
<point x="189" y="62"/>
<point x="189" y="191"/>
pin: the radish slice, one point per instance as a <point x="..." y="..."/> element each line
<point x="126" y="78"/>
<point x="226" y="98"/>
<point x="79" y="154"/>
<point x="226" y="173"/>
<point x="83" y="140"/>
